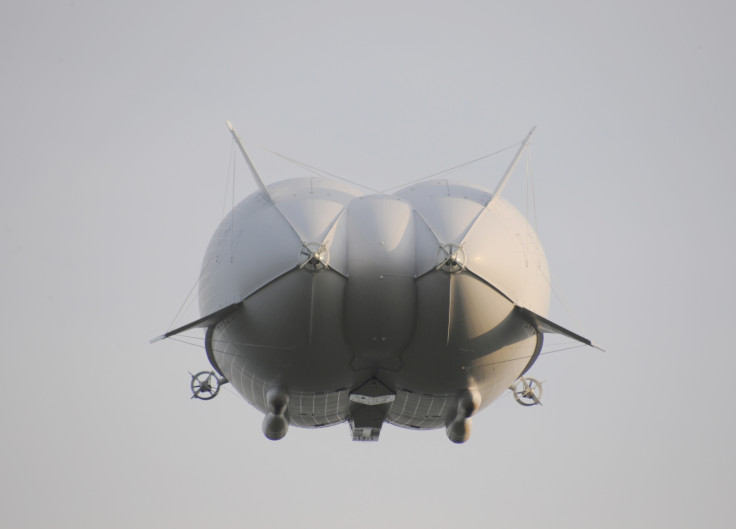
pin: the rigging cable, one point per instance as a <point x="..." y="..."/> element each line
<point x="451" y="169"/>
<point x="316" y="170"/>
<point x="230" y="173"/>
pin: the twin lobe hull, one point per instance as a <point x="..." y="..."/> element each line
<point x="373" y="308"/>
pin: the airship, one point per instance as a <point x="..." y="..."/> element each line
<point x="323" y="304"/>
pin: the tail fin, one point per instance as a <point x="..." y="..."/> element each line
<point x="542" y="324"/>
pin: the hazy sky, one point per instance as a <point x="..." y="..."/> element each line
<point x="114" y="158"/>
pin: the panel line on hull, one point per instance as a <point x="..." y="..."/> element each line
<point x="311" y="311"/>
<point x="449" y="310"/>
<point x="420" y="423"/>
<point x="423" y="417"/>
<point x="434" y="233"/>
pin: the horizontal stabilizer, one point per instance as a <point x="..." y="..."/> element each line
<point x="542" y="324"/>
<point x="207" y="321"/>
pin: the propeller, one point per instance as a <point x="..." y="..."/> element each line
<point x="527" y="391"/>
<point x="205" y="385"/>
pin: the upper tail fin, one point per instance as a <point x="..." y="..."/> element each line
<point x="253" y="171"/>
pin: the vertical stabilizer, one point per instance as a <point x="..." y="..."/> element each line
<point x="512" y="165"/>
<point x="251" y="167"/>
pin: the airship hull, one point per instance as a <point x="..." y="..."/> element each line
<point x="333" y="289"/>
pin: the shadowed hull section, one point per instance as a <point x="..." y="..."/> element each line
<point x="484" y="345"/>
<point x="410" y="409"/>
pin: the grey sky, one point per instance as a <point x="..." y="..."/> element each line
<point x="114" y="159"/>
